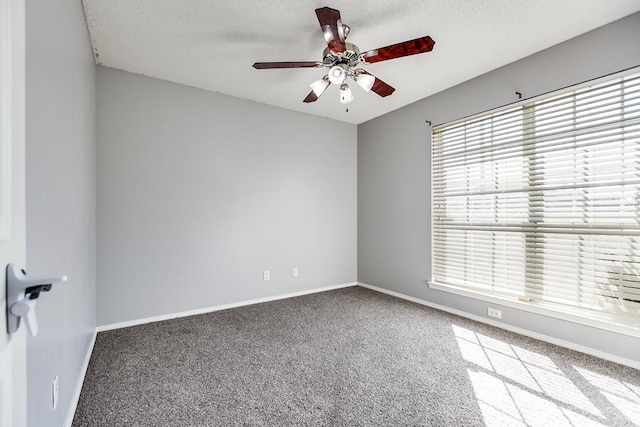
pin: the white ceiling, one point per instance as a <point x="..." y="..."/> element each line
<point x="211" y="44"/>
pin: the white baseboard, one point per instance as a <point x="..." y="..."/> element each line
<point x="552" y="340"/>
<point x="136" y="322"/>
<point x="68" y="421"/>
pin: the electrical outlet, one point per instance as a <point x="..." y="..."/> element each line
<point x="494" y="312"/>
<point x="55" y="391"/>
<point x="266" y="276"/>
<point x="295" y="271"/>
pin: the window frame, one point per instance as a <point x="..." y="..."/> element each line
<point x="608" y="321"/>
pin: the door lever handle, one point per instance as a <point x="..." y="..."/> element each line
<point x="22" y="294"/>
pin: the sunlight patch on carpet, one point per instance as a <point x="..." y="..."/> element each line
<point x="624" y="396"/>
<point x="516" y="386"/>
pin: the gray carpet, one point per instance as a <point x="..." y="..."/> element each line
<point x="350" y="357"/>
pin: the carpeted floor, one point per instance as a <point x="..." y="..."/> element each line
<point x="349" y="357"/>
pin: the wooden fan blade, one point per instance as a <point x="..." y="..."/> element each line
<point x="312" y="97"/>
<point x="331" y="26"/>
<point x="270" y="65"/>
<point x="381" y="88"/>
<point x="398" y="50"/>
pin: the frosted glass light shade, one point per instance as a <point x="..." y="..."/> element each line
<point x="345" y="94"/>
<point x="365" y="81"/>
<point x="318" y="87"/>
<point x="337" y="74"/>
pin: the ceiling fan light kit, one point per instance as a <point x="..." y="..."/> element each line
<point x="319" y="86"/>
<point x="341" y="58"/>
<point x="365" y="80"/>
<point x="338" y="74"/>
<point x="346" y="96"/>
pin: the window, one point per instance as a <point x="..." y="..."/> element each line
<point x="540" y="203"/>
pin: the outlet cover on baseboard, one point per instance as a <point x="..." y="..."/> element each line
<point x="494" y="312"/>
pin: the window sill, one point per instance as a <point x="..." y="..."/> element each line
<point x="609" y="322"/>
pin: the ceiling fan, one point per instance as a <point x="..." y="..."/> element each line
<point x="342" y="59"/>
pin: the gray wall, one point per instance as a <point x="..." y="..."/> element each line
<point x="60" y="193"/>
<point x="198" y="193"/>
<point x="394" y="177"/>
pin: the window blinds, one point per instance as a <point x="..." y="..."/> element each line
<point x="542" y="200"/>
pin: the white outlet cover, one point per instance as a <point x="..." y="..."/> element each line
<point x="55" y="391"/>
<point x="494" y="312"/>
<point x="266" y="275"/>
<point x="295" y="271"/>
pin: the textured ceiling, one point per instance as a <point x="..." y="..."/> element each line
<point x="212" y="44"/>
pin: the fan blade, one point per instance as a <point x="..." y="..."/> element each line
<point x="398" y="50"/>
<point x="269" y="65"/>
<point x="317" y="89"/>
<point x="331" y="26"/>
<point x="312" y="97"/>
<point x="381" y="88"/>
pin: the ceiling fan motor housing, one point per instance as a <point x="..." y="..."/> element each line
<point x="350" y="56"/>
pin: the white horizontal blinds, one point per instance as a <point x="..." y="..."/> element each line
<point x="543" y="200"/>
<point x="479" y="192"/>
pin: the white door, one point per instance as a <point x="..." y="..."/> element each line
<point x="13" y="349"/>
